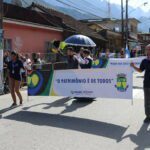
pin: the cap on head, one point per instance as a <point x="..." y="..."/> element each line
<point x="14" y="53"/>
<point x="86" y="51"/>
<point x="70" y="49"/>
<point x="81" y="49"/>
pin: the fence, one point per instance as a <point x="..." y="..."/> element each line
<point x="46" y="57"/>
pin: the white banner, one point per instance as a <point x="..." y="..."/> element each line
<point x="121" y="62"/>
<point x="114" y="82"/>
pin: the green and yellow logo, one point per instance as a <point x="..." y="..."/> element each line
<point x="33" y="80"/>
<point x="122" y="83"/>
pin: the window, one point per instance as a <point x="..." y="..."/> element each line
<point x="48" y="46"/>
<point x="132" y="28"/>
<point x="8" y="44"/>
<point x="49" y="57"/>
<point x="144" y="37"/>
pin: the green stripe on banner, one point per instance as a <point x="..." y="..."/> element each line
<point x="49" y="85"/>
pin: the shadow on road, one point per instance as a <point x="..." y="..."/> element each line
<point x="142" y="139"/>
<point x="70" y="123"/>
<point x="59" y="103"/>
<point x="76" y="104"/>
<point x="7" y="109"/>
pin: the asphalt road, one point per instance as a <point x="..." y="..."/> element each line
<point x="57" y="123"/>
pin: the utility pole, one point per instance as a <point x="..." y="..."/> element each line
<point x="109" y="9"/>
<point x="127" y="22"/>
<point x="1" y="24"/>
<point x="122" y="24"/>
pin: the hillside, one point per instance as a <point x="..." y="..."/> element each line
<point x="86" y="9"/>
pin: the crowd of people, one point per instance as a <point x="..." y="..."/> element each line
<point x="76" y="58"/>
<point x="17" y="66"/>
<point x="82" y="59"/>
<point x="29" y="62"/>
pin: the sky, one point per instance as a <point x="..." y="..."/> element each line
<point x="135" y="3"/>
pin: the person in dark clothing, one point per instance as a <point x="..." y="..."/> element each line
<point x="145" y="66"/>
<point x="72" y="60"/>
<point x="87" y="64"/>
<point x="6" y="61"/>
<point x="132" y="54"/>
<point x="6" y="58"/>
<point x="14" y="69"/>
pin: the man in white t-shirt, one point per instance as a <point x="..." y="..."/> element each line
<point x="27" y="63"/>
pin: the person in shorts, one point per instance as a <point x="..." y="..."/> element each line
<point x="14" y="69"/>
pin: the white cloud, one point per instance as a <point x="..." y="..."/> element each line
<point x="135" y="3"/>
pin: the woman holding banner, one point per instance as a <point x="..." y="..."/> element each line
<point x="14" y="68"/>
<point x="145" y="66"/>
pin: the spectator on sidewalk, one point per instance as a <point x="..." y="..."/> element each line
<point x="133" y="53"/>
<point x="145" y="66"/>
<point x="122" y="53"/>
<point x="72" y="60"/>
<point x="37" y="62"/>
<point x="14" y="68"/>
<point x="6" y="61"/>
<point x="6" y="58"/>
<point x="27" y="64"/>
<point x="107" y="54"/>
<point x="22" y="71"/>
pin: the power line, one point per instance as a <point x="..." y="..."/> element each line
<point x="25" y="2"/>
<point x="86" y="7"/>
<point x="87" y="3"/>
<point x="69" y="6"/>
<point x="77" y="8"/>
